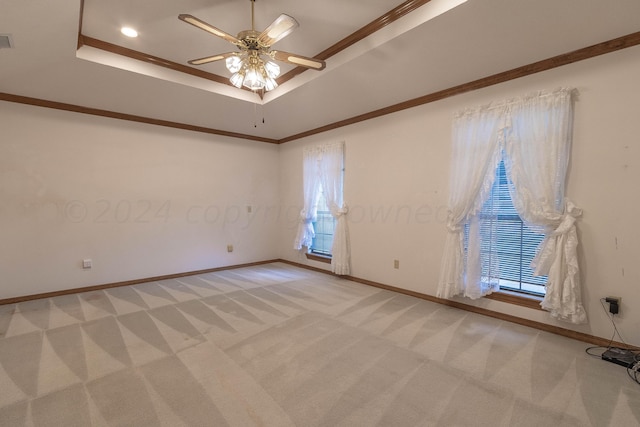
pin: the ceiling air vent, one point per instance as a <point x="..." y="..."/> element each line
<point x="5" y="41"/>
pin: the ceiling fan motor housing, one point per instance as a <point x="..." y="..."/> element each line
<point x="249" y="39"/>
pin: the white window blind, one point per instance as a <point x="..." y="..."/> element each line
<point x="508" y="245"/>
<point x="324" y="228"/>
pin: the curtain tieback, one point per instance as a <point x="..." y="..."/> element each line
<point x="453" y="227"/>
<point x="304" y="217"/>
<point x="338" y="212"/>
<point x="572" y="212"/>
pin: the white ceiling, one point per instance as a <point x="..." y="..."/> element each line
<point x="429" y="50"/>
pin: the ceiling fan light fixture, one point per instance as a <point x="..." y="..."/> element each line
<point x="234" y="63"/>
<point x="237" y="79"/>
<point x="251" y="66"/>
<point x="254" y="79"/>
<point x="270" y="84"/>
<point x="272" y="69"/>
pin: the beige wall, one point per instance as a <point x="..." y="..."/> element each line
<point x="139" y="200"/>
<point x="398" y="165"/>
<point x="143" y="201"/>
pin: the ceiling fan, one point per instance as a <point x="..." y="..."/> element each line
<point x="252" y="65"/>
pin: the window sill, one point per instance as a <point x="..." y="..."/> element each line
<point x="317" y="257"/>
<point x="529" y="301"/>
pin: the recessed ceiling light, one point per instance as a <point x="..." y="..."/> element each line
<point x="129" y="32"/>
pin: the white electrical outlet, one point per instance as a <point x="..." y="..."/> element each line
<point x="87" y="263"/>
<point x="229" y="248"/>
<point x="396" y="263"/>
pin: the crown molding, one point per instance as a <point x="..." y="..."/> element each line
<point x="145" y="57"/>
<point x="603" y="48"/>
<point x="362" y="33"/>
<point x="516" y="73"/>
<point x="130" y="117"/>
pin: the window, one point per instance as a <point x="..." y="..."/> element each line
<point x="508" y="244"/>
<point x="533" y="134"/>
<point x="323" y="173"/>
<point x="324" y="227"/>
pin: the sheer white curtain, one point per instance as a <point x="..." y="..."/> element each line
<point x="476" y="153"/>
<point x="311" y="189"/>
<point x="537" y="154"/>
<point x="331" y="168"/>
<point x="323" y="168"/>
<point x="537" y="147"/>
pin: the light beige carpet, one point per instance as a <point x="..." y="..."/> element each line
<point x="276" y="345"/>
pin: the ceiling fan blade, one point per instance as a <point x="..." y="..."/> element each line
<point x="281" y="27"/>
<point x="212" y="58"/>
<point x="190" y="19"/>
<point x="302" y="61"/>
